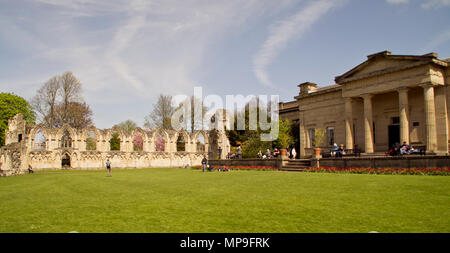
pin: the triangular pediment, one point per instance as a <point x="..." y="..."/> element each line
<point x="384" y="62"/>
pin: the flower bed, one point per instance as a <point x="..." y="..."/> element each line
<point x="259" y="168"/>
<point x="384" y="171"/>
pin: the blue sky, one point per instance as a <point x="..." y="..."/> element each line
<point x="127" y="52"/>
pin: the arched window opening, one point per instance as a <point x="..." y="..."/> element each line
<point x="200" y="143"/>
<point x="181" y="143"/>
<point x="39" y="140"/>
<point x="138" y="143"/>
<point x="91" y="141"/>
<point x="66" y="141"/>
<point x="114" y="142"/>
<point x="160" y="143"/>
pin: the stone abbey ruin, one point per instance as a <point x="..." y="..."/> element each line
<point x="89" y="148"/>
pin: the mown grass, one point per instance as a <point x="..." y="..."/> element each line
<point x="189" y="201"/>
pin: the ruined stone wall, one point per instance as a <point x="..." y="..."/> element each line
<point x="47" y="148"/>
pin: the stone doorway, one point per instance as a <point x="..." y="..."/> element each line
<point x="393" y="135"/>
<point x="65" y="161"/>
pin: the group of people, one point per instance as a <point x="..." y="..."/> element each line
<point x="403" y="149"/>
<point x="268" y="154"/>
<point x="208" y="167"/>
<point x="337" y="151"/>
<point x="292" y="154"/>
<point x="238" y="154"/>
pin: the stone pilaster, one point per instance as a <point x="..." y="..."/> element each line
<point x="368" y="119"/>
<point x="348" y="123"/>
<point x="430" y="118"/>
<point x="404" y="114"/>
<point x="303" y="136"/>
<point x="441" y="120"/>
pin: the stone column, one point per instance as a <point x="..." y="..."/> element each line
<point x="303" y="136"/>
<point x="430" y="118"/>
<point x="145" y="143"/>
<point x="348" y="123"/>
<point x="404" y="114"/>
<point x="441" y="120"/>
<point x="368" y="119"/>
<point x="101" y="146"/>
<point x="107" y="143"/>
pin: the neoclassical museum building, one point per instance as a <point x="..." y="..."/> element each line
<point x="387" y="99"/>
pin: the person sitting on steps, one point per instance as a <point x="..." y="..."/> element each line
<point x="334" y="150"/>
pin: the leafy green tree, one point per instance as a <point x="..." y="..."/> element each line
<point x="127" y="125"/>
<point x="238" y="137"/>
<point x="10" y="105"/>
<point x="115" y="142"/>
<point x="250" y="140"/>
<point x="285" y="137"/>
<point x="254" y="144"/>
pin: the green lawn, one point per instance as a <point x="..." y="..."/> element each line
<point x="189" y="201"/>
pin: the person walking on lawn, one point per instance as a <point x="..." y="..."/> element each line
<point x="204" y="162"/>
<point x="108" y="167"/>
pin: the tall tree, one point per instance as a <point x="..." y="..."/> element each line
<point x="251" y="139"/>
<point x="285" y="136"/>
<point x="127" y="125"/>
<point x="45" y="101"/>
<point x="70" y="92"/>
<point x="238" y="137"/>
<point x="161" y="114"/>
<point x="59" y="101"/>
<point x="195" y="110"/>
<point x="253" y="144"/>
<point x="77" y="115"/>
<point x="10" y="105"/>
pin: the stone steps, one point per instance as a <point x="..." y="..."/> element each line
<point x="376" y="154"/>
<point x="297" y="165"/>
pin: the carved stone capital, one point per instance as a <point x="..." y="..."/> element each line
<point x="366" y="96"/>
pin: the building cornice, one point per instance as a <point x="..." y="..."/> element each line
<point x="421" y="60"/>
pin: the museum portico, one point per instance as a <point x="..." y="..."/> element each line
<point x="384" y="100"/>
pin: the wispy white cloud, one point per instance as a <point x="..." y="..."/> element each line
<point x="151" y="45"/>
<point x="426" y="4"/>
<point x="291" y="28"/>
<point x="435" y="4"/>
<point x="397" y="1"/>
<point x="123" y="50"/>
<point x="78" y="8"/>
<point x="120" y="42"/>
